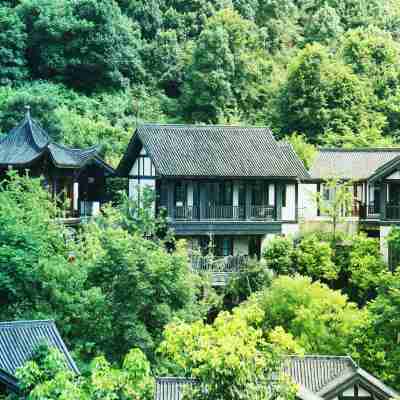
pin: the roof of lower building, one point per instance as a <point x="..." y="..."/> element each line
<point x="316" y="377"/>
<point x="356" y="164"/>
<point x="213" y="151"/>
<point x="315" y="372"/>
<point x="20" y="339"/>
<point x="28" y="141"/>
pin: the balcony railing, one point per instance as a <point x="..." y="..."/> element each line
<point x="86" y="209"/>
<point x="220" y="268"/>
<point x="218" y="212"/>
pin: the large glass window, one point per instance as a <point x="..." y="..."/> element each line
<point x="260" y="193"/>
<point x="180" y="194"/>
<point x="226" y="193"/>
<point x="223" y="246"/>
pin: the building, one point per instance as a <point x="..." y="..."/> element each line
<point x="18" y="342"/>
<point x="74" y="177"/>
<point x="228" y="187"/>
<point x="316" y="377"/>
<point x="375" y="176"/>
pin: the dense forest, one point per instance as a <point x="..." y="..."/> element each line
<point x="91" y="70"/>
<point x="317" y="72"/>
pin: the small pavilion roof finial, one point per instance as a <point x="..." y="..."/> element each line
<point x="28" y="111"/>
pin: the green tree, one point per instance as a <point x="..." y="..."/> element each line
<point x="320" y="319"/>
<point x="86" y="59"/>
<point x="338" y="204"/>
<point x="49" y="378"/>
<point x="304" y="150"/>
<point x="229" y="358"/>
<point x="227" y="70"/>
<point x="323" y="96"/>
<point x="314" y="259"/>
<point x="367" y="268"/>
<point x="376" y="345"/>
<point x="146" y="285"/>
<point x="323" y="26"/>
<point x="148" y="14"/>
<point x="13" y="38"/>
<point x="279" y="255"/>
<point x="369" y="51"/>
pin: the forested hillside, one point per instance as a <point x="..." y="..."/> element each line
<point x="90" y="69"/>
<point x="318" y="72"/>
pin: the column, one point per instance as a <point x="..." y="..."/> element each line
<point x="248" y="200"/>
<point x="170" y="199"/>
<point x="278" y="201"/>
<point x="384" y="194"/>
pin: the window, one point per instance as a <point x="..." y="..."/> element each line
<point x="284" y="196"/>
<point x="180" y="194"/>
<point x="226" y="246"/>
<point x="260" y="193"/>
<point x="227" y="193"/>
<point x="242" y="194"/>
<point x="223" y="246"/>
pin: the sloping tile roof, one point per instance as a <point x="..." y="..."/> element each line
<point x="314" y="375"/>
<point x="214" y="151"/>
<point x="356" y="165"/>
<point x="19" y="339"/>
<point x="170" y="388"/>
<point x="315" y="372"/>
<point x="28" y="141"/>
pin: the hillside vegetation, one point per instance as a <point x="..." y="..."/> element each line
<point x="91" y="69"/>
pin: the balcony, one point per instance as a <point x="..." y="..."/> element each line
<point x="224" y="213"/>
<point x="87" y="209"/>
<point x="220" y="268"/>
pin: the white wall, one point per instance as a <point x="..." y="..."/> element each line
<point x="266" y="239"/>
<point x="307" y="206"/>
<point x="395" y="175"/>
<point x="190" y="194"/>
<point x="289" y="212"/>
<point x="136" y="186"/>
<point x="271" y="194"/>
<point x="145" y="169"/>
<point x="290" y="230"/>
<point x="136" y="181"/>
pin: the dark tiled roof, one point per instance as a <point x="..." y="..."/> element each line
<point x="315" y="372"/>
<point x="172" y="388"/>
<point x="28" y="141"/>
<point x="358" y="164"/>
<point x="18" y="341"/>
<point x="218" y="151"/>
<point x="315" y="376"/>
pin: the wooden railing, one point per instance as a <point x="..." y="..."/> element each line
<point x="218" y="212"/>
<point x="220" y="268"/>
<point x="86" y="209"/>
<point x="373" y="208"/>
<point x="262" y="213"/>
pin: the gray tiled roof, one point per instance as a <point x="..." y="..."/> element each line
<point x="19" y="339"/>
<point x="28" y="141"/>
<point x="315" y="372"/>
<point x="314" y="375"/>
<point x="356" y="165"/>
<point x="218" y="151"/>
<point x="170" y="388"/>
